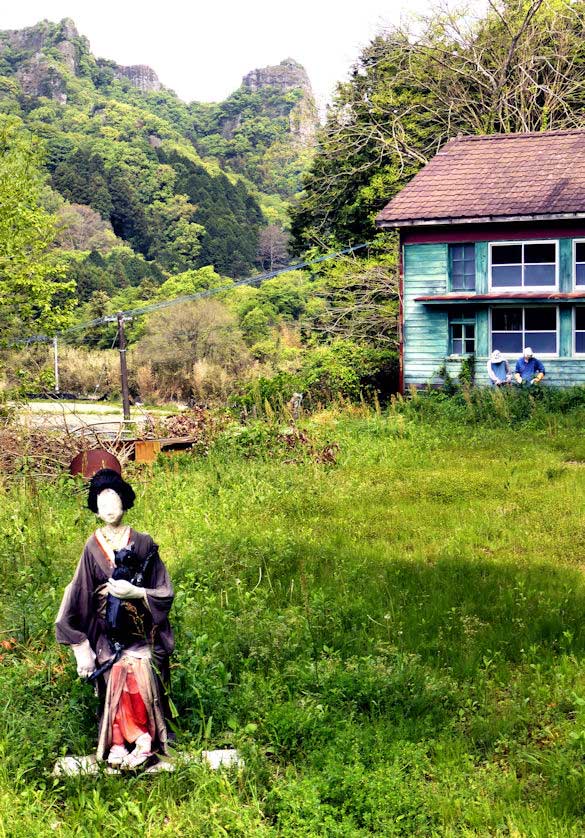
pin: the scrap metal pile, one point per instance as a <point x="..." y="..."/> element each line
<point x="44" y="454"/>
<point x="47" y="449"/>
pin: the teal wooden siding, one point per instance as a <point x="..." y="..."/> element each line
<point x="566" y="332"/>
<point x="482" y="333"/>
<point x="565" y="265"/>
<point x="481" y="267"/>
<point x="426" y="328"/>
<point x="426" y="332"/>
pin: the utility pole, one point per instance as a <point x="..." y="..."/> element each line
<point x="56" y="352"/>
<point x="123" y="367"/>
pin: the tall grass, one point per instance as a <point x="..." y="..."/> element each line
<point x="395" y="642"/>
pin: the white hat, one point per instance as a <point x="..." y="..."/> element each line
<point x="497" y="356"/>
<point x="527" y="352"/>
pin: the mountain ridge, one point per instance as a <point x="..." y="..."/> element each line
<point x="184" y="184"/>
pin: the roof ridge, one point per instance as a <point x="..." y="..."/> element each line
<point x="516" y="135"/>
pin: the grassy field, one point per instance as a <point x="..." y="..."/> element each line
<point x="394" y="641"/>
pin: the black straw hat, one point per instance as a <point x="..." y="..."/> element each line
<point x="107" y="478"/>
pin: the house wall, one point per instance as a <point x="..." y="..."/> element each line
<point x="426" y="327"/>
<point x="425" y="331"/>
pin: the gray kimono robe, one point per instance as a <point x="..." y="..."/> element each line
<point x="82" y="616"/>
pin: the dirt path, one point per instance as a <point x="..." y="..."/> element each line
<point x="76" y="417"/>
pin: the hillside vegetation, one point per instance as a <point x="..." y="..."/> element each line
<point x="118" y="142"/>
<point x="393" y="640"/>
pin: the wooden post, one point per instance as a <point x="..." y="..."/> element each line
<point x="56" y="353"/>
<point x="123" y="367"/>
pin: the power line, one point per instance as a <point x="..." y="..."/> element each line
<point x="209" y="292"/>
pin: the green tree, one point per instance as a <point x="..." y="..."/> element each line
<point x="191" y="282"/>
<point x="519" y="66"/>
<point x="175" y="237"/>
<point x="34" y="296"/>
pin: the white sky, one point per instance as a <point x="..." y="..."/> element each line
<point x="202" y="50"/>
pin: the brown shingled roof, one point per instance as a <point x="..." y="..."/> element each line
<point x="498" y="177"/>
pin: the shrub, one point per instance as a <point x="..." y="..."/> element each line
<point x="340" y="370"/>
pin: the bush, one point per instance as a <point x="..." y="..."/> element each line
<point x="495" y="407"/>
<point x="340" y="370"/>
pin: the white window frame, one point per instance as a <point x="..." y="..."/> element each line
<point x="516" y="355"/>
<point x="521" y="288"/>
<point x="574" y="331"/>
<point x="574" y="265"/>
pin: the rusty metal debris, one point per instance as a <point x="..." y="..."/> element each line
<point x="48" y="451"/>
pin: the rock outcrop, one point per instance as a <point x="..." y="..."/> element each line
<point x="286" y="77"/>
<point x="140" y="76"/>
<point x="38" y="72"/>
<point x="37" y="77"/>
<point x="41" y="73"/>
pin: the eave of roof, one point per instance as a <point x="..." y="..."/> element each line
<point x="483" y="219"/>
<point x="462" y="298"/>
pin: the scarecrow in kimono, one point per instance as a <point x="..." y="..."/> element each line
<point x="114" y="615"/>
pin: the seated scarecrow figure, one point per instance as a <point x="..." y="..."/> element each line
<point x="114" y="615"/>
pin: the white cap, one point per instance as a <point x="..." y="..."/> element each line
<point x="527" y="352"/>
<point x="497" y="356"/>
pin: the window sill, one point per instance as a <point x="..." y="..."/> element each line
<point x="525" y="289"/>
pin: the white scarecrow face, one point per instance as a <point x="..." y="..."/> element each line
<point x="109" y="505"/>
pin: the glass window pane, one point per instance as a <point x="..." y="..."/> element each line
<point x="457" y="347"/>
<point x="580" y="252"/>
<point x="542" y="341"/>
<point x="540" y="319"/>
<point x="470" y="331"/>
<point x="470" y="345"/>
<point x="539" y="253"/>
<point x="506" y="275"/>
<point x="539" y="275"/>
<point x="580" y="317"/>
<point x="507" y="320"/>
<point x="507" y="342"/>
<point x="462" y="267"/>
<point x="580" y="274"/>
<point x="580" y="342"/>
<point x="457" y="331"/>
<point x="506" y="254"/>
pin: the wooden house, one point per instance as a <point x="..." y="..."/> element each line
<point x="492" y="235"/>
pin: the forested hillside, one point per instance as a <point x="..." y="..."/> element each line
<point x="150" y="198"/>
<point x="146" y="198"/>
<point x="118" y="142"/>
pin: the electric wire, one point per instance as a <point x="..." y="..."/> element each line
<point x="208" y="292"/>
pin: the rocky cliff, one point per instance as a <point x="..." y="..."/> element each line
<point x="37" y="54"/>
<point x="263" y="132"/>
<point x="288" y="76"/>
<point x="40" y="56"/>
<point x="140" y="76"/>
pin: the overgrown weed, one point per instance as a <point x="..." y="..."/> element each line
<point x="395" y="643"/>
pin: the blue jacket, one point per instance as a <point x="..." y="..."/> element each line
<point x="528" y="369"/>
